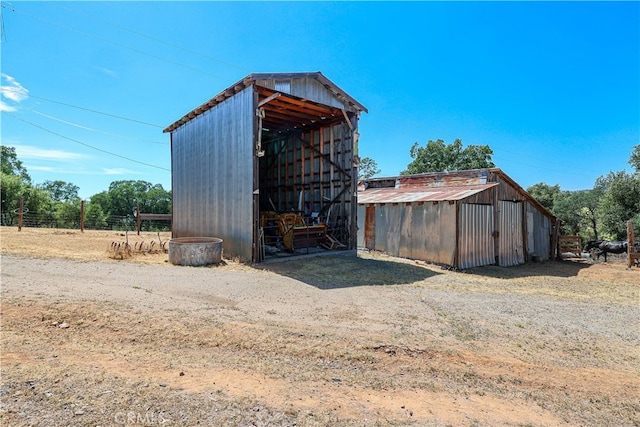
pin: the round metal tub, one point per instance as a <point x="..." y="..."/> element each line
<point x="195" y="251"/>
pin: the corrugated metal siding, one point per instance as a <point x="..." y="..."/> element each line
<point x="212" y="175"/>
<point x="434" y="230"/>
<point x="540" y="234"/>
<point x="420" y="231"/>
<point x="362" y="210"/>
<point x="476" y="243"/>
<point x="511" y="244"/>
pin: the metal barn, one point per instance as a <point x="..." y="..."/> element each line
<point x="270" y="162"/>
<point x="462" y="219"/>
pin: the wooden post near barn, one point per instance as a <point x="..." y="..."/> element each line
<point x="555" y="244"/>
<point x="632" y="255"/>
<point x="138" y="218"/>
<point x="82" y="216"/>
<point x="21" y="214"/>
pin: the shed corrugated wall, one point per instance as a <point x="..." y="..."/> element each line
<point x="212" y="175"/>
<point x="540" y="234"/>
<point x="511" y="243"/>
<point x="475" y="240"/>
<point x="413" y="230"/>
<point x="362" y="213"/>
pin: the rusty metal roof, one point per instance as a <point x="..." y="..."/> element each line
<point x="424" y="194"/>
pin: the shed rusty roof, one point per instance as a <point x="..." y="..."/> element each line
<point x="430" y="194"/>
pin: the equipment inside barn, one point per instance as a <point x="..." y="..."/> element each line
<point x="276" y="143"/>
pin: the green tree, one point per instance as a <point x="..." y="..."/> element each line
<point x="120" y="201"/>
<point x="60" y="191"/>
<point x="103" y="200"/>
<point x="11" y="165"/>
<point x="578" y="212"/>
<point x="94" y="217"/>
<point x="68" y="213"/>
<point x="367" y="168"/>
<point x="619" y="203"/>
<point x="125" y="196"/>
<point x="635" y="158"/>
<point x="15" y="183"/>
<point x="436" y="156"/>
<point x="156" y="200"/>
<point x="11" y="189"/>
<point x="545" y="194"/>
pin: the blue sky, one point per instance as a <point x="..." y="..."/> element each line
<point x="553" y="88"/>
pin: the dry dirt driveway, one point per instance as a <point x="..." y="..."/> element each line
<point x="336" y="340"/>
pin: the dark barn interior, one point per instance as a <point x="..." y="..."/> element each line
<point x="307" y="163"/>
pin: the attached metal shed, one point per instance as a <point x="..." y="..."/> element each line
<point x="462" y="219"/>
<point x="268" y="145"/>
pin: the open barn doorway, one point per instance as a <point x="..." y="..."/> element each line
<point x="306" y="172"/>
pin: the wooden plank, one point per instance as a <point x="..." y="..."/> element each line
<point x="270" y="98"/>
<point x="570" y="244"/>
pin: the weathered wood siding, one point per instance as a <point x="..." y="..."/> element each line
<point x="212" y="175"/>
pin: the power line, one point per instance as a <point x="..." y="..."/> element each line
<point x="86" y="145"/>
<point x="91" y="129"/>
<point x="542" y="167"/>
<point x="89" y="109"/>
<point x="399" y="131"/>
<point x="84" y="33"/>
<point x="150" y="37"/>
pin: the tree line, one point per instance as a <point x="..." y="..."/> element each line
<point x="601" y="212"/>
<point x="57" y="204"/>
<point x="598" y="213"/>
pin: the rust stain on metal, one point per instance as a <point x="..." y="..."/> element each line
<point x="424" y="194"/>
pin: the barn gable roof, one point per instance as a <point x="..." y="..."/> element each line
<point x="292" y="88"/>
<point x="438" y="187"/>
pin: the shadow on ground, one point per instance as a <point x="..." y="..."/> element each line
<point x="333" y="272"/>
<point x="565" y="268"/>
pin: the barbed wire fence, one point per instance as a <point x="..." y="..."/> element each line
<point x="22" y="217"/>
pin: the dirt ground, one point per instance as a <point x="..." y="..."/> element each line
<point x="94" y="337"/>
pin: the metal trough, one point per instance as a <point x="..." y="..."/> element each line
<point x="195" y="251"/>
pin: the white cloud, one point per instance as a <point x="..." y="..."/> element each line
<point x="13" y="91"/>
<point x="107" y="71"/>
<point x="31" y="152"/>
<point x="41" y="168"/>
<point x="118" y="171"/>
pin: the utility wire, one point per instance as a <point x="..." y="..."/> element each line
<point x="89" y="109"/>
<point x="85" y="144"/>
<point x="193" y="52"/>
<point x="91" y="129"/>
<point x="121" y="45"/>
<point x="399" y="131"/>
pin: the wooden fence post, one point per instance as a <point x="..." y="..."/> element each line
<point x="138" y="218"/>
<point x="82" y="216"/>
<point x="631" y="249"/>
<point x="555" y="243"/>
<point x="20" y="214"/>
